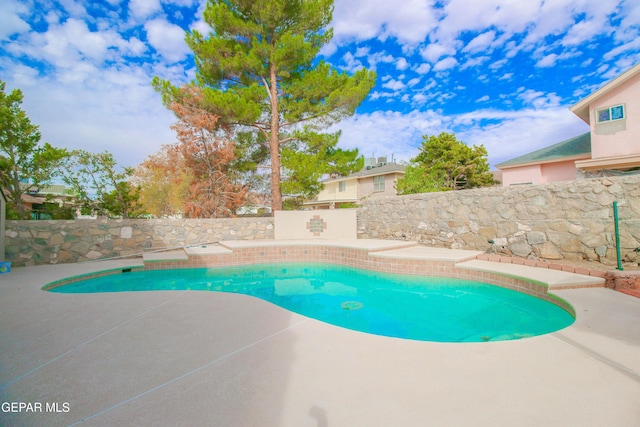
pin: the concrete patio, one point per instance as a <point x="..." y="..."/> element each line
<point x="216" y="359"/>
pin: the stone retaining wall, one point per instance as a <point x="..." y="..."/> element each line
<point x="569" y="220"/>
<point x="52" y="242"/>
<point x="566" y="220"/>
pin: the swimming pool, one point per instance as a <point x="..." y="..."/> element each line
<point x="403" y="306"/>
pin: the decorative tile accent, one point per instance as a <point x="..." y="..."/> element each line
<point x="316" y="225"/>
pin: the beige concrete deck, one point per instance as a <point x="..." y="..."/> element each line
<point x="197" y="358"/>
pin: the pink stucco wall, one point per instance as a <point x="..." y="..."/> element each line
<point x="615" y="141"/>
<point x="559" y="171"/>
<point x="540" y="174"/>
<point x="522" y="175"/>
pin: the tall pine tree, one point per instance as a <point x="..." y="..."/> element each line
<point x="259" y="72"/>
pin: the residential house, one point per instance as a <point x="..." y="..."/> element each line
<point x="613" y="115"/>
<point x="35" y="201"/>
<point x="376" y="179"/>
<point x="549" y="164"/>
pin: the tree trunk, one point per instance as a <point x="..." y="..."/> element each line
<point x="16" y="195"/>
<point x="274" y="143"/>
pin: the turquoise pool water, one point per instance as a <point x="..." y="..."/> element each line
<point x="403" y="306"/>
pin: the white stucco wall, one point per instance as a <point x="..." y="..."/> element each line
<point x="335" y="224"/>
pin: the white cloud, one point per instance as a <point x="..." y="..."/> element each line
<point x="201" y="26"/>
<point x="91" y="44"/>
<point x="532" y="21"/>
<point x="445" y="64"/>
<point x="10" y="20"/>
<point x="419" y="98"/>
<point x="621" y="50"/>
<point x="581" y="32"/>
<point x="167" y="39"/>
<point x="424" y="68"/>
<point x="144" y="8"/>
<point x="74" y="8"/>
<point x="464" y="15"/>
<point x="630" y="25"/>
<point x="548" y="60"/>
<point x="434" y="51"/>
<point x="496" y="65"/>
<point x="517" y="132"/>
<point x="134" y="47"/>
<point x="394" y="85"/>
<point x="551" y="59"/>
<point x="387" y="133"/>
<point x="401" y="64"/>
<point x="432" y="83"/>
<point x="85" y="91"/>
<point x="351" y="63"/>
<point x="409" y="22"/>
<point x="474" y="62"/>
<point x="65" y="46"/>
<point x="379" y="57"/>
<point x="539" y="99"/>
<point x="116" y="111"/>
<point x="362" y="51"/>
<point x="20" y="75"/>
<point x="480" y="42"/>
<point x="198" y="23"/>
<point x="378" y="95"/>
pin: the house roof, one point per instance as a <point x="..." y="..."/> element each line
<point x="378" y="170"/>
<point x="573" y="147"/>
<point x="28" y="198"/>
<point x="581" y="109"/>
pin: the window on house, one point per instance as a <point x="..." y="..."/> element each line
<point x="378" y="183"/>
<point x="342" y="186"/>
<point x="610" y="114"/>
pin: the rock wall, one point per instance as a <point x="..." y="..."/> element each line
<point x="567" y="220"/>
<point x="52" y="242"/>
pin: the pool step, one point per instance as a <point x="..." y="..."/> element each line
<point x="207" y="250"/>
<point x="428" y="254"/>
<point x="554" y="279"/>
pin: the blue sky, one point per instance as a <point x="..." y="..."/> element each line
<point x="502" y="73"/>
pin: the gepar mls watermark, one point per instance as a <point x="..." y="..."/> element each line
<point x="34" y="407"/>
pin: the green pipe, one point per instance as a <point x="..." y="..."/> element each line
<point x="615" y="220"/>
